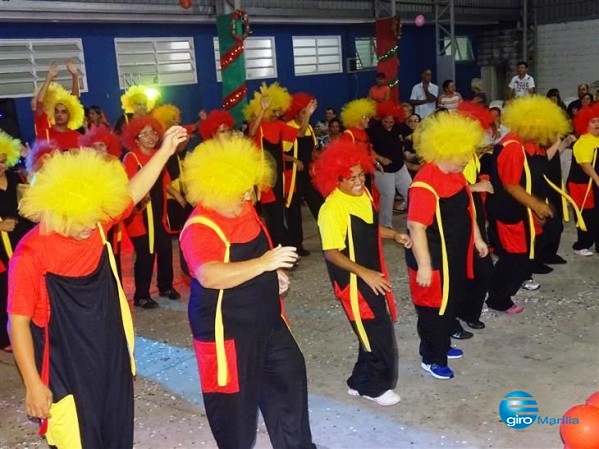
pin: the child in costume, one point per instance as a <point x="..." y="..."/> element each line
<point x="247" y="357"/>
<point x="351" y="241"/>
<point x="443" y="228"/>
<point x="70" y="325"/>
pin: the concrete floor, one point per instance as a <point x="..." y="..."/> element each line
<point x="551" y="351"/>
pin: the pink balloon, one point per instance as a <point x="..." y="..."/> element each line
<point x="419" y="20"/>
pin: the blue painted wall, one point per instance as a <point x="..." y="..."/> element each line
<point x="416" y="52"/>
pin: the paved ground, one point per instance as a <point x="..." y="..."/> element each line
<point x="551" y="351"/>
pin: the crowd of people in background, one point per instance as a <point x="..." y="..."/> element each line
<point x="486" y="191"/>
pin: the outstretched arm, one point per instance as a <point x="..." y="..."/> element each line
<point x="41" y="95"/>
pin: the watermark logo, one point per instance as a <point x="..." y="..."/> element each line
<point x="518" y="409"/>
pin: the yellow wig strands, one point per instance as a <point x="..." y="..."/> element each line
<point x="72" y="103"/>
<point x="280" y="99"/>
<point x="10" y="147"/>
<point x="447" y="138"/>
<point x="217" y="173"/>
<point x="75" y="190"/>
<point x="167" y="115"/>
<point x="535" y="119"/>
<point x="352" y="112"/>
<point x="53" y="91"/>
<point x="136" y="94"/>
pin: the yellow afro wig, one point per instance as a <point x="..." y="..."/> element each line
<point x="218" y="172"/>
<point x="352" y="112"/>
<point x="280" y="99"/>
<point x="535" y="119"/>
<point x="54" y="90"/>
<point x="447" y="137"/>
<point x="74" y="190"/>
<point x="136" y="94"/>
<point x="167" y="115"/>
<point x="10" y="147"/>
<point x="73" y="105"/>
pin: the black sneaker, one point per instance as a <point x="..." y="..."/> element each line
<point x="146" y="303"/>
<point x="555" y="260"/>
<point x="171" y="293"/>
<point x="541" y="268"/>
<point x="462" y="335"/>
<point x="476" y="324"/>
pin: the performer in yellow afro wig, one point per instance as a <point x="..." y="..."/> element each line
<point x="74" y="190"/>
<point x="10" y="147"/>
<point x="218" y="173"/>
<point x="280" y="100"/>
<point x="352" y="112"/>
<point x="167" y="115"/>
<point x="71" y="102"/>
<point x="54" y="90"/>
<point x="535" y="119"/>
<point x="446" y="137"/>
<point x="136" y="94"/>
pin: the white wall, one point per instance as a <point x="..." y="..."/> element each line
<point x="567" y="55"/>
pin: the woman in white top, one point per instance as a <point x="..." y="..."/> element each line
<point x="449" y="99"/>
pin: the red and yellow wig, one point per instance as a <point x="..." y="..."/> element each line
<point x="584" y="116"/>
<point x="209" y="126"/>
<point x="132" y="129"/>
<point x="102" y="134"/>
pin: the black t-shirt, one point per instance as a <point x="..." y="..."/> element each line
<point x="387" y="144"/>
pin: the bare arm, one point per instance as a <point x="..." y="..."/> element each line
<point x="590" y="171"/>
<point x="421" y="253"/>
<point x="38" y="397"/>
<point x="264" y="104"/>
<point x="540" y="208"/>
<point x="74" y="71"/>
<point x="41" y="95"/>
<point x="305" y="114"/>
<point x="144" y="179"/>
<point x="374" y="279"/>
<point x="221" y="275"/>
<point x="398" y="237"/>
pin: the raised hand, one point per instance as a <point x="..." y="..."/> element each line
<point x="52" y="70"/>
<point x="173" y="136"/>
<point x="264" y="102"/>
<point x="72" y="67"/>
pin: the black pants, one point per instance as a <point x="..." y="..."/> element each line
<point x="144" y="263"/>
<point x="4" y="340"/>
<point x="275" y="222"/>
<point x="272" y="377"/>
<point x="308" y="193"/>
<point x="475" y="291"/>
<point x="509" y="273"/>
<point x="293" y="217"/>
<point x="587" y="238"/>
<point x="547" y="243"/>
<point x="434" y="331"/>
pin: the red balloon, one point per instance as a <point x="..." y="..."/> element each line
<point x="584" y="434"/>
<point x="593" y="399"/>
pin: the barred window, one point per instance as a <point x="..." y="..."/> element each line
<point x="463" y="50"/>
<point x="366" y="53"/>
<point x="316" y="55"/>
<point x="260" y="58"/>
<point x="167" y="61"/>
<point x="24" y="64"/>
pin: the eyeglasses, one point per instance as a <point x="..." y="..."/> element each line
<point x="149" y="133"/>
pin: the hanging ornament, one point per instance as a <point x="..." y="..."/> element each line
<point x="240" y="17"/>
<point x="185" y="4"/>
<point x="396" y="27"/>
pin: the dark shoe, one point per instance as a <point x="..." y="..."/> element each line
<point x="555" y="260"/>
<point x="475" y="324"/>
<point x="462" y="335"/>
<point x="541" y="268"/>
<point x="171" y="293"/>
<point x="146" y="303"/>
<point x="303" y="252"/>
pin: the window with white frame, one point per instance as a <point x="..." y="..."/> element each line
<point x="365" y="53"/>
<point x="463" y="49"/>
<point x="24" y="64"/>
<point x="165" y="61"/>
<point x="260" y="58"/>
<point x="316" y="55"/>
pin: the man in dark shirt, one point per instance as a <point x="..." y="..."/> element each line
<point x="392" y="174"/>
<point x="575" y="105"/>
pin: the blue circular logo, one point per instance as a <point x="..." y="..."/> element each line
<point x="518" y="410"/>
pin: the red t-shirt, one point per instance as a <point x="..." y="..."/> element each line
<point x="240" y="229"/>
<point x="38" y="254"/>
<point x="422" y="202"/>
<point x="357" y="136"/>
<point x="510" y="163"/>
<point x="65" y="140"/>
<point x="275" y="132"/>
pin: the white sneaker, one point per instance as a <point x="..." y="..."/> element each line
<point x="531" y="285"/>
<point x="585" y="252"/>
<point x="352" y="392"/>
<point x="389" y="397"/>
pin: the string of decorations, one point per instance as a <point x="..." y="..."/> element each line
<point x="235" y="97"/>
<point x="240" y="17"/>
<point x="389" y="54"/>
<point x="240" y="30"/>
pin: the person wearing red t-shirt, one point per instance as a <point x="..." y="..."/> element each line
<point x="443" y="228"/>
<point x="69" y="321"/>
<point x="59" y="115"/>
<point x="247" y="357"/>
<point x="380" y="91"/>
<point x="146" y="226"/>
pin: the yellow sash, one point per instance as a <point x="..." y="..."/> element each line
<point x="6" y="242"/>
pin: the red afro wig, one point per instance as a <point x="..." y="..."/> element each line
<point x="476" y="111"/>
<point x="132" y="129"/>
<point x="584" y="116"/>
<point x="389" y="108"/>
<point x="336" y="163"/>
<point x="102" y="134"/>
<point x="209" y="126"/>
<point x="35" y="157"/>
<point x="299" y="101"/>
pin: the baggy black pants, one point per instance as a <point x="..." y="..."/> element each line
<point x="144" y="262"/>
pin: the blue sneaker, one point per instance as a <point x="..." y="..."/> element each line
<point x="437" y="371"/>
<point x="455" y="353"/>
